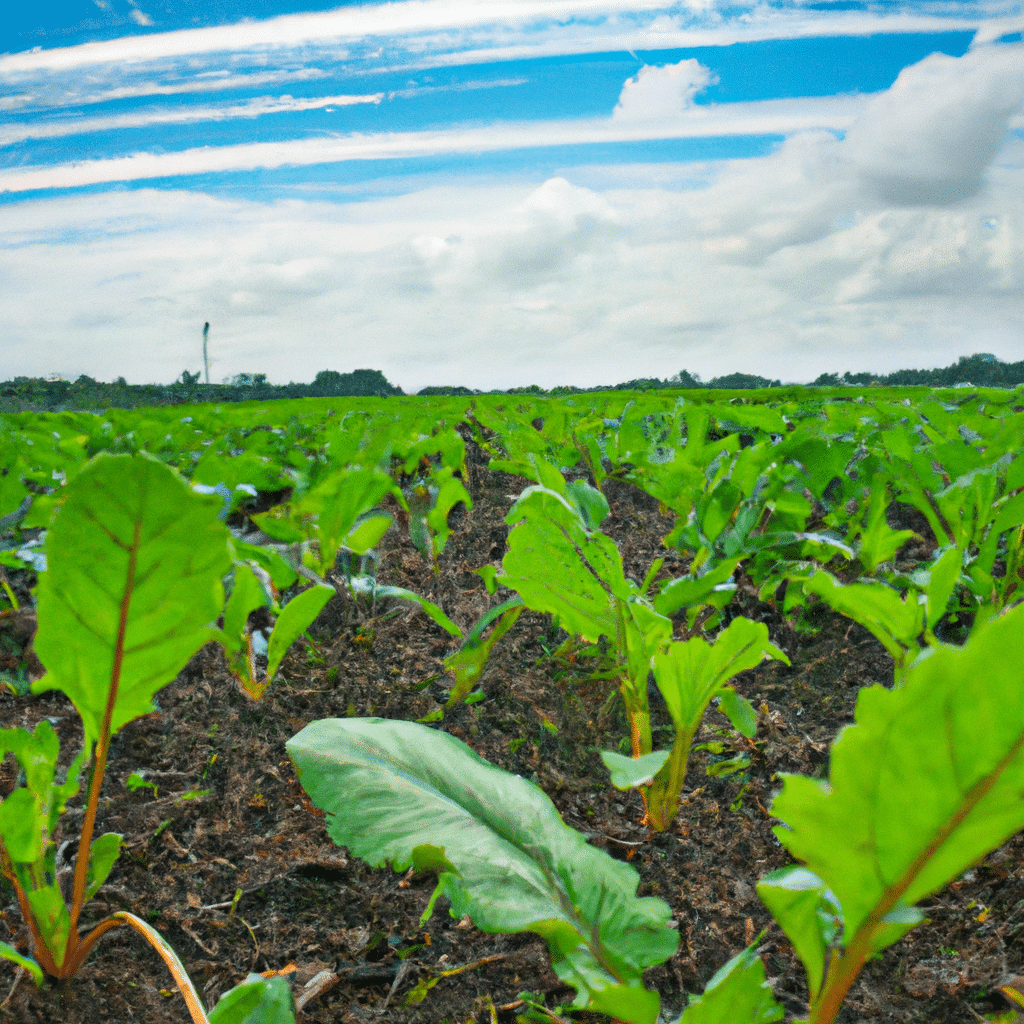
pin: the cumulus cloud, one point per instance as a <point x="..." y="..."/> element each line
<point x="662" y="92"/>
<point x="929" y="138"/>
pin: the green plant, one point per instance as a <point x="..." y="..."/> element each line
<point x="925" y="785"/>
<point x="560" y="563"/>
<point x="132" y="586"/>
<point x="690" y="674"/>
<point x="403" y="794"/>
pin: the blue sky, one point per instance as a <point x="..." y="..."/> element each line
<point x="494" y="194"/>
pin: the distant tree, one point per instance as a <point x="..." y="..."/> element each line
<point x="446" y="391"/>
<point x="188" y="379"/>
<point x="331" y="384"/>
<point x="689" y="380"/>
<point x="739" y="381"/>
<point x="83" y="380"/>
<point x="826" y="380"/>
<point x="859" y="379"/>
<point x="248" y="380"/>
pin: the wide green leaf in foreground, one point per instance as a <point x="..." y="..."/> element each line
<point x="928" y="781"/>
<point x="400" y="793"/>
<point x="132" y="588"/>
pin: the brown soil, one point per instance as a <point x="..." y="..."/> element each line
<point x="305" y="903"/>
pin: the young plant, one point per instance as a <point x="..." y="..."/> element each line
<point x="690" y="674"/>
<point x="338" y="513"/>
<point x="904" y="625"/>
<point x="132" y="587"/>
<point x="560" y="563"/>
<point x="924" y="785"/>
<point x="247" y="596"/>
<point x="409" y="796"/>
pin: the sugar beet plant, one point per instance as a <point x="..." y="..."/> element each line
<point x="926" y="783"/>
<point x="561" y="563"/>
<point x="132" y="589"/>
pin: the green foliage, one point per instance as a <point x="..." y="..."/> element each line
<point x="132" y="586"/>
<point x="133" y="583"/>
<point x="737" y="994"/>
<point x="926" y="783"/>
<point x="257" y="1000"/>
<point x="468" y="662"/>
<point x="405" y="795"/>
<point x="690" y="674"/>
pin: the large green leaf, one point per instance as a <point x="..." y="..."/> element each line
<point x="928" y="781"/>
<point x="895" y="621"/>
<point x="135" y="563"/>
<point x="400" y="793"/>
<point x="689" y="673"/>
<point x="559" y="566"/>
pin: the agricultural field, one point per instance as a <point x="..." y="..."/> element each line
<point x="682" y="706"/>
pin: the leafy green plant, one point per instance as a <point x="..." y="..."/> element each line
<point x="132" y="586"/>
<point x="409" y="796"/>
<point x="924" y="785"/>
<point x="560" y="563"/>
<point x="338" y="513"/>
<point x="903" y="624"/>
<point x="690" y="674"/>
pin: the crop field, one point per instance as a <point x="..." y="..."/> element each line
<point x="698" y="707"/>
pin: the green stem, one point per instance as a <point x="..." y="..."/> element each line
<point x="666" y="789"/>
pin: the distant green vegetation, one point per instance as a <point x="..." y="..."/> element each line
<point x="36" y="393"/>
<point x="24" y="394"/>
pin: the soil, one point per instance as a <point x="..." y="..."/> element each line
<point x="228" y="816"/>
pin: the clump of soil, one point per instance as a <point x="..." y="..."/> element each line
<point x="227" y="816"/>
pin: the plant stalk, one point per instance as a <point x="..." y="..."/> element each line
<point x="71" y="960"/>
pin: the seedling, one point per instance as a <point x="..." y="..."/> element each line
<point x="132" y="586"/>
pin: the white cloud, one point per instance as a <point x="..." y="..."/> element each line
<point x="356" y="22"/>
<point x="929" y="138"/>
<point x="658" y="93"/>
<point x="423" y="33"/>
<point x="255" y="107"/>
<point x="766" y="117"/>
<point x="788" y="265"/>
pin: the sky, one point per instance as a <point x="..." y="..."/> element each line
<point x="495" y="194"/>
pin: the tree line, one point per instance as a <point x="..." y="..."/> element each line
<point x="55" y="394"/>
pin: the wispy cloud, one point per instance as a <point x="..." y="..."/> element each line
<point x="178" y="115"/>
<point x="346" y="23"/>
<point x="434" y="32"/>
<point x="88" y="93"/>
<point x="768" y="117"/>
